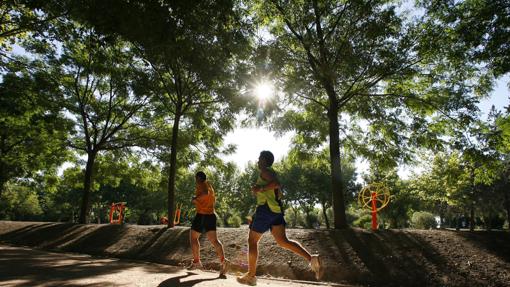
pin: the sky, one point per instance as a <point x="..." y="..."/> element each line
<point x="250" y="141"/>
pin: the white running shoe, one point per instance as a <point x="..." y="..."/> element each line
<point x="316" y="265"/>
<point x="247" y="279"/>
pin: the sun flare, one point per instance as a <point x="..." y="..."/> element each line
<point x="263" y="91"/>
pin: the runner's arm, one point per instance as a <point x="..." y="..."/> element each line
<point x="272" y="180"/>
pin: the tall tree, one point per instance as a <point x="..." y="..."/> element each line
<point x="33" y="129"/>
<point x="191" y="47"/>
<point x="98" y="80"/>
<point x="345" y="62"/>
<point x="193" y="79"/>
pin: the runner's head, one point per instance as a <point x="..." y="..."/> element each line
<point x="200" y="176"/>
<point x="266" y="159"/>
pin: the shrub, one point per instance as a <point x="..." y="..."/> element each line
<point x="311" y="220"/>
<point x="423" y="220"/>
<point x="234" y="220"/>
<point x="294" y="219"/>
<point x="364" y="221"/>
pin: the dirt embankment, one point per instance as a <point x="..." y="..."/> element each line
<point x="353" y="256"/>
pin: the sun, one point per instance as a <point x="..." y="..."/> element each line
<point x="264" y="90"/>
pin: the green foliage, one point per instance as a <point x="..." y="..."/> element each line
<point x="294" y="217"/>
<point x="234" y="221"/>
<point x="477" y="30"/>
<point x="305" y="177"/>
<point x="32" y="128"/>
<point x="19" y="19"/>
<point x="364" y="221"/>
<point x="20" y="202"/>
<point x="423" y="220"/>
<point x="167" y="75"/>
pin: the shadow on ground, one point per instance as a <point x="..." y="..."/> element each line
<point x="71" y="270"/>
<point x="352" y="256"/>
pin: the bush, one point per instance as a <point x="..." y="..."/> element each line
<point x="423" y="220"/>
<point x="364" y="221"/>
<point x="294" y="219"/>
<point x="311" y="220"/>
<point x="493" y="222"/>
<point x="329" y="213"/>
<point x="350" y="216"/>
<point x="234" y="221"/>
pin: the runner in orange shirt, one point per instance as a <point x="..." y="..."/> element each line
<point x="205" y="221"/>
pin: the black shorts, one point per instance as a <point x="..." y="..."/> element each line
<point x="204" y="223"/>
<point x="264" y="219"/>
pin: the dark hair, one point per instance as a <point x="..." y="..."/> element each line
<point x="201" y="175"/>
<point x="267" y="156"/>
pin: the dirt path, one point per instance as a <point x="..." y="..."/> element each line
<point x="351" y="256"/>
<point x="28" y="267"/>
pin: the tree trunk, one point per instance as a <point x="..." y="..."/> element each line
<point x="172" y="170"/>
<point x="472" y="207"/>
<point x="308" y="222"/>
<point x="2" y="186"/>
<point x="3" y="178"/>
<point x="507" y="203"/>
<point x="325" y="215"/>
<point x="472" y="217"/>
<point x="337" y="187"/>
<point x="85" y="204"/>
<point x="225" y="219"/>
<point x="294" y="224"/>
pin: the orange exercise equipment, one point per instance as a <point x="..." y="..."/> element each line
<point x="375" y="197"/>
<point x="177" y="214"/>
<point x="117" y="208"/>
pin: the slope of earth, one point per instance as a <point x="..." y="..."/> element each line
<point x="352" y="256"/>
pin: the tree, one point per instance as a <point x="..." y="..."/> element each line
<point x="21" y="18"/>
<point x="443" y="186"/>
<point x="346" y="62"/>
<point x="193" y="80"/>
<point x="479" y="30"/>
<point x="503" y="125"/>
<point x="495" y="136"/>
<point x="97" y="78"/>
<point x="305" y="178"/>
<point x="191" y="47"/>
<point x="33" y="130"/>
<point x="127" y="178"/>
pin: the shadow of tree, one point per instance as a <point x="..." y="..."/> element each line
<point x="382" y="258"/>
<point x="392" y="258"/>
<point x="490" y="241"/>
<point x="53" y="269"/>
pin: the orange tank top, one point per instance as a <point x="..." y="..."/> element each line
<point x="205" y="198"/>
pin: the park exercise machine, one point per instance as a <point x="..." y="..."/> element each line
<point x="177" y="215"/>
<point x="118" y="210"/>
<point x="375" y="197"/>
